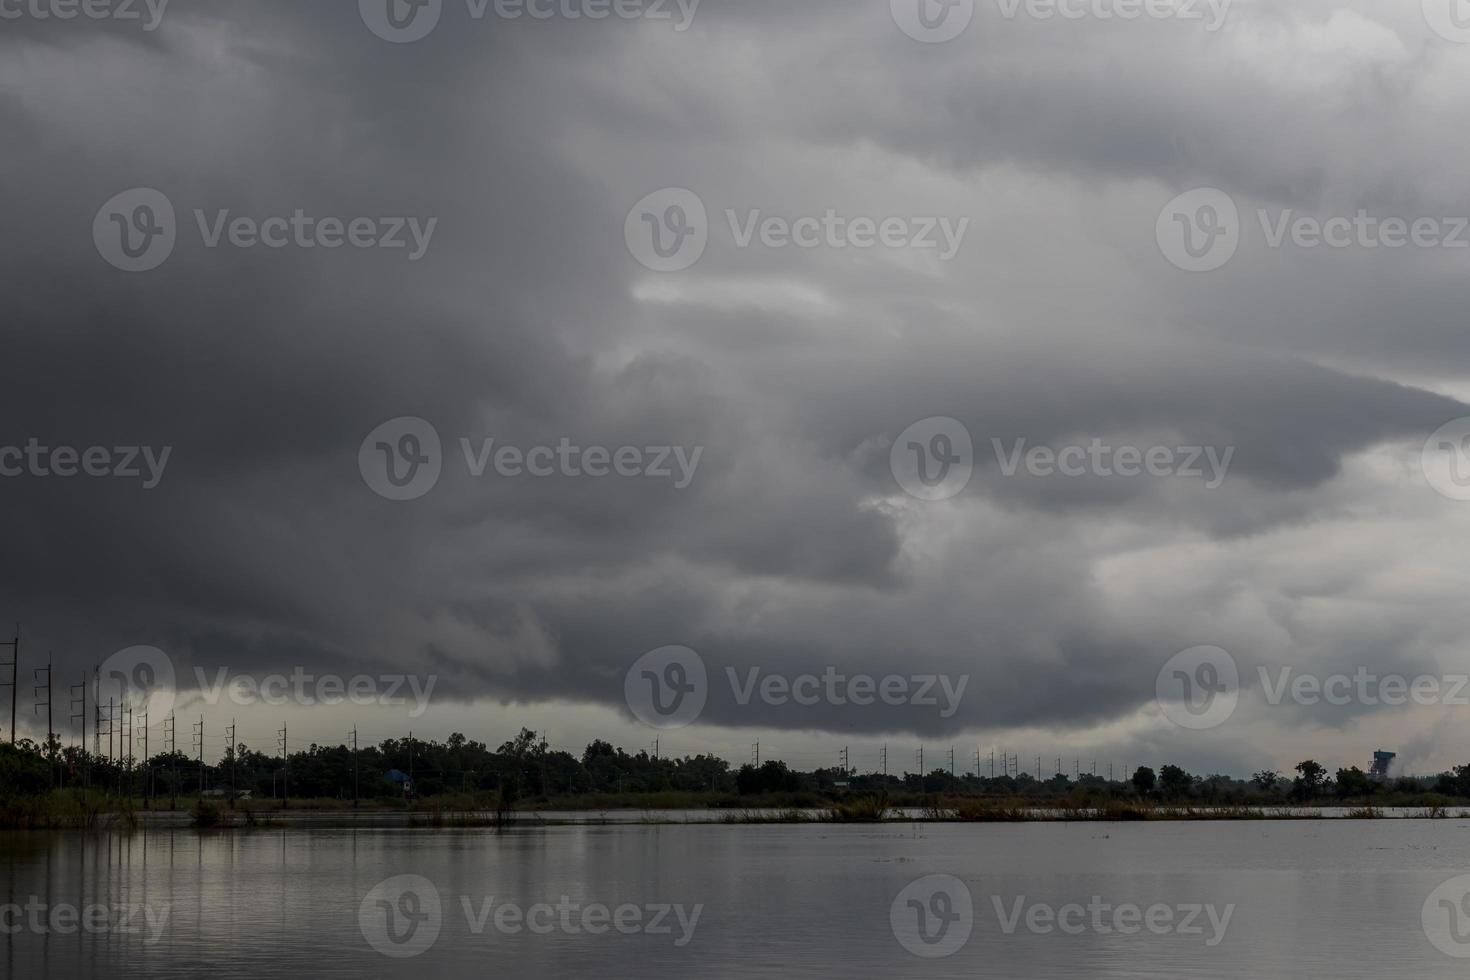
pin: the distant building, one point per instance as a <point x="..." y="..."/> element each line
<point x="1381" y="761"/>
<point x="401" y="777"/>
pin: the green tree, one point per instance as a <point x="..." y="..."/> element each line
<point x="1174" y="782"/>
<point x="1144" y="780"/>
<point x="1309" y="783"/>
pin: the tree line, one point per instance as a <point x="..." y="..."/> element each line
<point x="527" y="769"/>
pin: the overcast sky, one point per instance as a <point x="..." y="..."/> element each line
<point x="525" y="151"/>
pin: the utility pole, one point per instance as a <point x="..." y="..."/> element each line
<point x="14" y="666"/>
<point x="755" y="754"/>
<point x="1038" y="768"/>
<point x="885" y="760"/>
<point x="354" y="767"/>
<point x="285" y="765"/>
<point x="199" y="735"/>
<point x="171" y="746"/>
<point x="921" y="762"/>
<point x="147" y="766"/>
<point x="992" y="763"/>
<point x="50" y="747"/>
<point x="951" y="760"/>
<point x="96" y="715"/>
<point x="79" y="714"/>
<point x="655" y="748"/>
<point x="231" y="732"/>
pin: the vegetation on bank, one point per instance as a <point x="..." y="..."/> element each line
<point x="463" y="783"/>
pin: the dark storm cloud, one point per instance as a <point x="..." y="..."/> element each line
<point x="528" y="321"/>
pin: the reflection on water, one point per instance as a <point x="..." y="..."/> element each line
<point x="1230" y="899"/>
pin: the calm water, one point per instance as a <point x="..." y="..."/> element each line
<point x="1313" y="898"/>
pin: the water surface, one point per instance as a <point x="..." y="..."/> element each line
<point x="1326" y="898"/>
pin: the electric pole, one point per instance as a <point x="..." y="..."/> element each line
<point x="199" y="736"/>
<point x="354" y="767"/>
<point x="50" y="747"/>
<point x="231" y="733"/>
<point x="79" y="714"/>
<point x="285" y="765"/>
<point x="14" y="666"/>
<point x="171" y="746"/>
